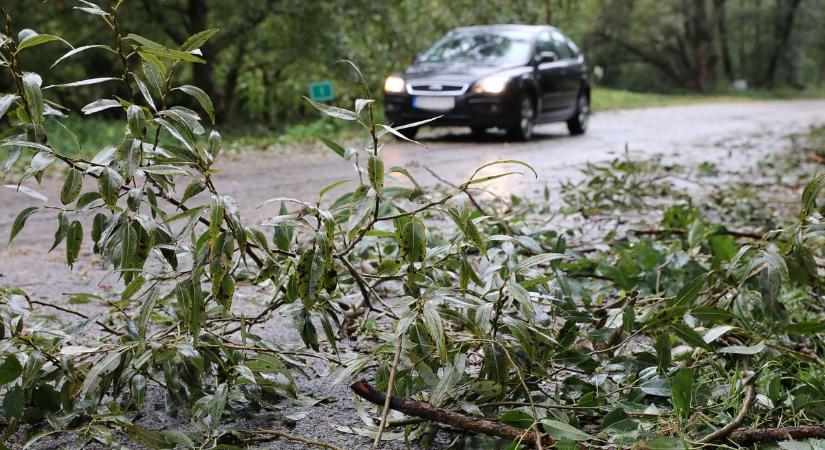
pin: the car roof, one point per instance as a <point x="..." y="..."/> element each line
<point x="532" y="29"/>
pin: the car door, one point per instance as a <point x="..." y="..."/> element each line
<point x="550" y="76"/>
<point x="569" y="74"/>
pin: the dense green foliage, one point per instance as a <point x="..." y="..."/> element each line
<point x="260" y="65"/>
<point x="590" y="323"/>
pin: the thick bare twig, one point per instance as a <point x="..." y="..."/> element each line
<point x="722" y="433"/>
<point x="296" y="438"/>
<point x="393" y="370"/>
<point x="444" y="416"/>
<point x="751" y="435"/>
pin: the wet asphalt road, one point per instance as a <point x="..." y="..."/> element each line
<point x="728" y="134"/>
<point x="683" y="134"/>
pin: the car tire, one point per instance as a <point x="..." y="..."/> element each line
<point x="409" y="133"/>
<point x="522" y="128"/>
<point x="578" y="123"/>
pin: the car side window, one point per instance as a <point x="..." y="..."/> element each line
<point x="544" y="43"/>
<point x="560" y="46"/>
<point x="573" y="49"/>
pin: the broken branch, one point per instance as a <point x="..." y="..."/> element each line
<point x="453" y="419"/>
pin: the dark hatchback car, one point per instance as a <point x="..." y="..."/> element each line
<point x="494" y="76"/>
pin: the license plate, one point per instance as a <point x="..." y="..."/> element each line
<point x="433" y="103"/>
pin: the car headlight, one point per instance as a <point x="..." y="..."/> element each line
<point x="394" y="84"/>
<point x="491" y="85"/>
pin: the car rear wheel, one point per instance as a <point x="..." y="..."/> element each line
<point x="578" y="123"/>
<point x="522" y="127"/>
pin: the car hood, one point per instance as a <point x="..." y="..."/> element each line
<point x="459" y="72"/>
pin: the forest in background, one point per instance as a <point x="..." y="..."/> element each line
<point x="267" y="52"/>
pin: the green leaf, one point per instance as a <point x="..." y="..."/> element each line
<point x="340" y="151"/>
<point x="10" y="370"/>
<point x="62" y="230"/>
<point x="214" y="145"/>
<point x="663" y="352"/>
<point x="362" y="206"/>
<point x="83" y="82"/>
<point x="77" y="50"/>
<point x="413" y="240"/>
<point x="194" y="188"/>
<point x="34" y="98"/>
<point x="681" y="388"/>
<point x="306" y="329"/>
<point x="201" y="96"/>
<point x="618" y="421"/>
<point x="198" y="39"/>
<point x="109" y="186"/>
<point x="100" y="105"/>
<point x="690" y="336"/>
<point x="215" y="217"/>
<point x="375" y="173"/>
<point x="136" y="120"/>
<point x="432" y="320"/>
<point x="37" y="39"/>
<point x="536" y="260"/>
<point x="71" y="186"/>
<point x="810" y="194"/>
<point x="149" y="299"/>
<point x="144" y="91"/>
<point x="28" y="191"/>
<point x="495" y="363"/>
<point x="716" y="332"/>
<point x="104" y="366"/>
<point x="806" y="328"/>
<point x="74" y="238"/>
<point x="331" y="186"/>
<point x="153" y="48"/>
<point x="5" y="103"/>
<point x="333" y="111"/>
<point x="689" y="292"/>
<point x="20" y="222"/>
<point x="504" y="161"/>
<point x="743" y="350"/>
<point x="518" y="418"/>
<point x="137" y="387"/>
<point x="13" y="403"/>
<point x="561" y="430"/>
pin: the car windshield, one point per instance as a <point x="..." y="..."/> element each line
<point x="483" y="46"/>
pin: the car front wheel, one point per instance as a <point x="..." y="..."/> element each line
<point x="578" y="123"/>
<point x="522" y="127"/>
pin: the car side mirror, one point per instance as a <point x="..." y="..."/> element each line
<point x="548" y="56"/>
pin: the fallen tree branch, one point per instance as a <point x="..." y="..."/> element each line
<point x="453" y="419"/>
<point x="296" y="438"/>
<point x="718" y="435"/>
<point x="747" y="436"/>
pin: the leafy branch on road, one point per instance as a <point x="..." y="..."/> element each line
<point x="636" y="311"/>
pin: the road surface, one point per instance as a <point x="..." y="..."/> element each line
<point x="683" y="134"/>
<point x="729" y="134"/>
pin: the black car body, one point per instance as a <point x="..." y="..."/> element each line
<point x="494" y="76"/>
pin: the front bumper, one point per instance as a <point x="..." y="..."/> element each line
<point x="471" y="109"/>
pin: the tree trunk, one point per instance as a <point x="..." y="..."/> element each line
<point x="782" y="32"/>
<point x="722" y="33"/>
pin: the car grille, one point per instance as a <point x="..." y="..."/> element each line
<point x="436" y="88"/>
